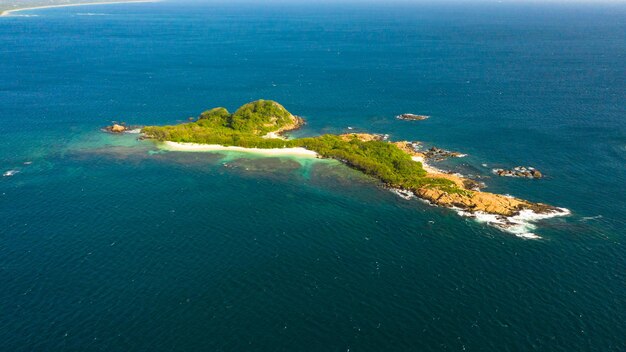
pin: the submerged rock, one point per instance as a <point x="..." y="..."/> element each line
<point x="412" y="117"/>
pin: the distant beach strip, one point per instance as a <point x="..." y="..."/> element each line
<point x="12" y="11"/>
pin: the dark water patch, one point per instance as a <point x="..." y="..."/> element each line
<point x="272" y="168"/>
<point x="126" y="154"/>
<point x="117" y="250"/>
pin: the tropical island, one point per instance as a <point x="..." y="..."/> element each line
<point x="261" y="125"/>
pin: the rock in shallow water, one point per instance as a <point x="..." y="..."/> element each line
<point x="412" y="117"/>
<point x="116" y="128"/>
<point x="519" y="171"/>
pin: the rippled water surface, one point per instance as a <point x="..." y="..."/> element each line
<point x="108" y="243"/>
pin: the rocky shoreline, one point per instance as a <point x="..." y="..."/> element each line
<point x="297" y="124"/>
<point x="472" y="199"/>
<point x="434" y="153"/>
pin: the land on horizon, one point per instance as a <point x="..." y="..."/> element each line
<point x="7" y="6"/>
<point x="418" y="175"/>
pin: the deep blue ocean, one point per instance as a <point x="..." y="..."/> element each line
<point x="110" y="244"/>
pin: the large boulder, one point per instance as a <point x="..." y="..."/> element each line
<point x="116" y="128"/>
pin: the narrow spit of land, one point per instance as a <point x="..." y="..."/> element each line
<point x="8" y="8"/>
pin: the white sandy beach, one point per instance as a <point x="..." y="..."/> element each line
<point x="426" y="167"/>
<point x="274" y="135"/>
<point x="196" y="147"/>
<point x="9" y="12"/>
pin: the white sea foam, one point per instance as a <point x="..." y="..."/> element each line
<point x="10" y="173"/>
<point x="521" y="225"/>
<point x="135" y="131"/>
<point x="404" y="194"/>
<point x="585" y="218"/>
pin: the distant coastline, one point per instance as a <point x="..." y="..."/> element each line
<point x="11" y="11"/>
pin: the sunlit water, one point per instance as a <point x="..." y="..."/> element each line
<point x="108" y="243"/>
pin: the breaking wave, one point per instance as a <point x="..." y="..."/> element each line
<point x="521" y="225"/>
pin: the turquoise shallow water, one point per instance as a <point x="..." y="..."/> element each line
<point x="107" y="244"/>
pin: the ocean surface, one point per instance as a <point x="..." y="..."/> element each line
<point x="111" y="244"/>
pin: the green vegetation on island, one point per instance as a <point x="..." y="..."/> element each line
<point x="248" y="126"/>
<point x="257" y="125"/>
<point x="244" y="128"/>
<point x="376" y="158"/>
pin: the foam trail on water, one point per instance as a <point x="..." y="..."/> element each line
<point x="585" y="218"/>
<point x="10" y="173"/>
<point x="404" y="194"/>
<point x="521" y="225"/>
